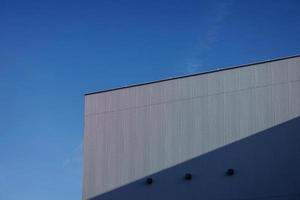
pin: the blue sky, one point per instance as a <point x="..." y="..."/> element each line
<point x="52" y="52"/>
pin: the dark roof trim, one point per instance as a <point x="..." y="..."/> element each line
<point x="195" y="74"/>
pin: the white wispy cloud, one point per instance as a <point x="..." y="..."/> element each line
<point x="217" y="19"/>
<point x="75" y="156"/>
<point x="193" y="66"/>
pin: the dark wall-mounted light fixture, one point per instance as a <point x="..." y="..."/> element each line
<point x="149" y="181"/>
<point x="188" y="176"/>
<point x="230" y="172"/>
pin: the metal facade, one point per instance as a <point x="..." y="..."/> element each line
<point x="265" y="167"/>
<point x="137" y="131"/>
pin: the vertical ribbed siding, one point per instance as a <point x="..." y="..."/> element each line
<point x="133" y="132"/>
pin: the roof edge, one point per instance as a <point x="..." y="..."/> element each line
<point x="194" y="74"/>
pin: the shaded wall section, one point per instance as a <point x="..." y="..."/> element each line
<point x="266" y="166"/>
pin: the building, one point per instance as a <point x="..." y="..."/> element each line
<point x="225" y="134"/>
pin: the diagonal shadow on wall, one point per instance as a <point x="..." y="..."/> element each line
<point x="266" y="166"/>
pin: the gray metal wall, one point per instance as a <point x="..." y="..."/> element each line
<point x="136" y="131"/>
<point x="266" y="167"/>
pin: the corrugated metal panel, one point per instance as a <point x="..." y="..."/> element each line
<point x="136" y="131"/>
<point x="266" y="166"/>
